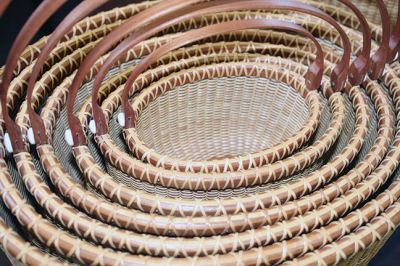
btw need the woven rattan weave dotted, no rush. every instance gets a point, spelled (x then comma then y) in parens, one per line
(231, 160)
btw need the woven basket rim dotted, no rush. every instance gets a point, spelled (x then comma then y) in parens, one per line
(231, 163)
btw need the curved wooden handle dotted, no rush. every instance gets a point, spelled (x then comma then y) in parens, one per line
(161, 9)
(79, 12)
(3, 6)
(31, 27)
(359, 67)
(394, 43)
(381, 56)
(168, 14)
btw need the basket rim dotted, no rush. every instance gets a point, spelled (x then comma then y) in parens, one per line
(234, 163)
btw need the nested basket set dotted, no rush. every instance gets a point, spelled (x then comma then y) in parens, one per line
(193, 132)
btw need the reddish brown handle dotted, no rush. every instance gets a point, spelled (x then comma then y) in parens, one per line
(314, 73)
(34, 23)
(3, 6)
(79, 12)
(379, 59)
(359, 67)
(394, 43)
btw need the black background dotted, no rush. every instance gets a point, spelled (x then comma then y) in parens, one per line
(11, 23)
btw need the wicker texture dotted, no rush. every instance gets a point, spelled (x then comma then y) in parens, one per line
(232, 160)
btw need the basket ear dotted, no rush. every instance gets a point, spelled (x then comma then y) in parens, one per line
(378, 62)
(37, 135)
(358, 70)
(339, 77)
(314, 76)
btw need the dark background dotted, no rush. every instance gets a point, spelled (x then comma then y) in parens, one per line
(13, 20)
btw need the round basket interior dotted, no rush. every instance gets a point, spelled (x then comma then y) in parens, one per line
(221, 118)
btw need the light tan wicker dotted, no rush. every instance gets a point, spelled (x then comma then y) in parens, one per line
(173, 112)
(334, 190)
(22, 251)
(184, 115)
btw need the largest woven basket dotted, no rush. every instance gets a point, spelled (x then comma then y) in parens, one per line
(231, 158)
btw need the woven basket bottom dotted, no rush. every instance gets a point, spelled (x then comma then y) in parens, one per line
(221, 117)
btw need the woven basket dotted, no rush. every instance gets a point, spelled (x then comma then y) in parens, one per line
(191, 124)
(335, 196)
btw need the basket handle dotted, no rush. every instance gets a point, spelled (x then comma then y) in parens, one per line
(359, 67)
(216, 6)
(36, 134)
(314, 73)
(13, 138)
(394, 43)
(381, 56)
(3, 6)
